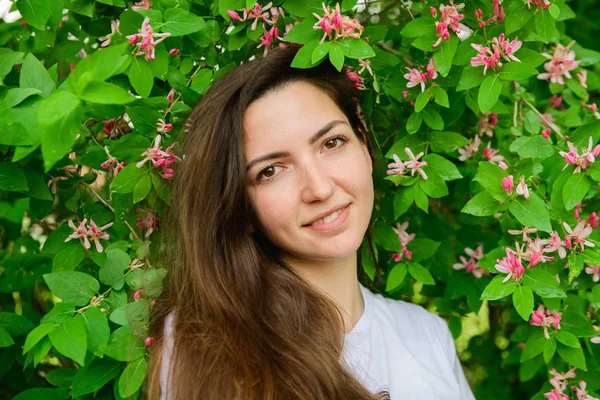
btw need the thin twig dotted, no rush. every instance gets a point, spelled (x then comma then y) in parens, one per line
(543, 118)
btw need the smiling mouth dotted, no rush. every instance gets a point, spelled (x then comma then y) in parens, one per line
(328, 218)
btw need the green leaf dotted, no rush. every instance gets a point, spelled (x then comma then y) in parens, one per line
(581, 136)
(516, 71)
(534, 346)
(14, 324)
(12, 177)
(567, 339)
(142, 188)
(422, 100)
(471, 77)
(126, 180)
(42, 393)
(94, 376)
(403, 198)
(575, 190)
(356, 48)
(481, 205)
(434, 186)
(536, 147)
(70, 339)
(304, 33)
(446, 142)
(15, 96)
(549, 349)
(523, 301)
(96, 327)
(5, 339)
(489, 92)
(99, 66)
(35, 12)
(58, 137)
(179, 22)
(302, 8)
(418, 27)
(113, 268)
(35, 75)
(8, 58)
(496, 290)
(576, 265)
(140, 76)
(420, 273)
(422, 248)
(303, 57)
(36, 335)
(124, 345)
(517, 15)
(69, 257)
(336, 56)
(71, 286)
(573, 356)
(442, 167)
(440, 96)
(129, 147)
(396, 277)
(490, 176)
(532, 213)
(432, 118)
(544, 25)
(105, 93)
(543, 283)
(414, 122)
(320, 52)
(445, 54)
(131, 379)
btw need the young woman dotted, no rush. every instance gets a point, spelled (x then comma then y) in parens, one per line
(270, 207)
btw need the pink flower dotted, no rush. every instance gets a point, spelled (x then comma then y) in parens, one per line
(80, 233)
(478, 14)
(95, 234)
(235, 16)
(441, 29)
(397, 257)
(365, 64)
(577, 210)
(397, 167)
(138, 294)
(555, 101)
(148, 44)
(582, 76)
(470, 149)
(160, 158)
(171, 96)
(335, 25)
(593, 270)
(174, 52)
(561, 62)
(502, 165)
(487, 122)
(546, 133)
(357, 79)
(545, 319)
(522, 188)
(581, 392)
(554, 395)
(112, 164)
(500, 49)
(471, 266)
(556, 244)
(147, 221)
(511, 266)
(142, 5)
(576, 237)
(148, 341)
(114, 27)
(162, 127)
(414, 164)
(491, 154)
(508, 184)
(525, 231)
(403, 236)
(415, 78)
(593, 220)
(432, 71)
(267, 38)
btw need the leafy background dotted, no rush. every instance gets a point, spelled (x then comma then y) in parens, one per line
(77, 120)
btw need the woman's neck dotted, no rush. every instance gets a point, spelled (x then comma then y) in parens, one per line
(338, 280)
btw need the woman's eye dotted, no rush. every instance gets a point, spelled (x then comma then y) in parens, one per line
(332, 143)
(267, 173)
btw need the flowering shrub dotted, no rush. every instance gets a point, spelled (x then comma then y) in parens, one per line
(485, 133)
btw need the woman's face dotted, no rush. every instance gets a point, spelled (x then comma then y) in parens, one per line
(305, 163)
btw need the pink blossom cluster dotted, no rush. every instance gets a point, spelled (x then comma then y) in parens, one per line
(531, 250)
(470, 149)
(335, 25)
(545, 318)
(162, 127)
(112, 164)
(416, 77)
(86, 233)
(559, 382)
(561, 62)
(577, 237)
(555, 101)
(403, 237)
(258, 13)
(491, 154)
(147, 221)
(359, 83)
(572, 157)
(592, 219)
(593, 270)
(148, 44)
(160, 158)
(497, 14)
(492, 57)
(114, 28)
(593, 108)
(522, 188)
(487, 123)
(398, 167)
(538, 4)
(142, 5)
(471, 266)
(450, 18)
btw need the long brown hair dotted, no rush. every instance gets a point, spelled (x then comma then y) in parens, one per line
(246, 325)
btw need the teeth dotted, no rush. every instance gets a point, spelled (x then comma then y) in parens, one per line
(328, 218)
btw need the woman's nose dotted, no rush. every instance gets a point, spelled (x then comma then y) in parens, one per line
(316, 184)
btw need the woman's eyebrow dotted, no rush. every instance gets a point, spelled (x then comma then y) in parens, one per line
(311, 141)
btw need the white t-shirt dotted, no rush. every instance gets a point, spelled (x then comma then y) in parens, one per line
(395, 346)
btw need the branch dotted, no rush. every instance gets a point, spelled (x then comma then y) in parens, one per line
(541, 116)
